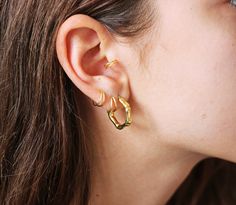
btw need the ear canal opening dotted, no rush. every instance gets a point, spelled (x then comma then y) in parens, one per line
(93, 62)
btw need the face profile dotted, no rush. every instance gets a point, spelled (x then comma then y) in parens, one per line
(117, 102)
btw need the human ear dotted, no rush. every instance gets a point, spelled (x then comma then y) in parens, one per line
(83, 47)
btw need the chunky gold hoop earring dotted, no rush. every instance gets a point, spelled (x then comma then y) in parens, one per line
(101, 100)
(110, 64)
(111, 113)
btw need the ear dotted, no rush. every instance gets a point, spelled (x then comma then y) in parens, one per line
(83, 47)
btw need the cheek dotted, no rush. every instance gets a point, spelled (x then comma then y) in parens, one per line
(195, 94)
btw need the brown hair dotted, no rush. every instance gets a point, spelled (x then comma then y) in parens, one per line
(43, 148)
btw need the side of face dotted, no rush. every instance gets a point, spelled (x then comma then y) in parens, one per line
(188, 89)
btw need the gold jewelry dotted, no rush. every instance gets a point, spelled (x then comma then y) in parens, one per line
(110, 64)
(111, 113)
(113, 103)
(101, 100)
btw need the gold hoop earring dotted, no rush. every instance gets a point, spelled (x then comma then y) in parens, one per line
(102, 99)
(110, 64)
(111, 113)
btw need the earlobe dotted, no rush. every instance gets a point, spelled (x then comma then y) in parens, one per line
(83, 47)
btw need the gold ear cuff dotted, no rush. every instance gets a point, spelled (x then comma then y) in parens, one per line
(110, 64)
(113, 104)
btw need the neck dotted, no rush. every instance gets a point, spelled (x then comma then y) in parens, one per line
(133, 167)
(135, 178)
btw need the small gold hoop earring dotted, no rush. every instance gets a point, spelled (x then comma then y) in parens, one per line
(110, 64)
(101, 100)
(111, 113)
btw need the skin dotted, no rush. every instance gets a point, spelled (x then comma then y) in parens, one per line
(182, 97)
